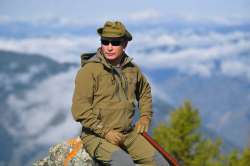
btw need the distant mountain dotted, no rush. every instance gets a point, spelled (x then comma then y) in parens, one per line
(223, 102)
(19, 73)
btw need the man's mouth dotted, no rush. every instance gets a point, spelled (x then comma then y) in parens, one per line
(110, 54)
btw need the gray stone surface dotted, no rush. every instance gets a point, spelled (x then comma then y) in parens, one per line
(71, 150)
(68, 153)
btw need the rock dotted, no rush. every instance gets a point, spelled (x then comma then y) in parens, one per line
(68, 153)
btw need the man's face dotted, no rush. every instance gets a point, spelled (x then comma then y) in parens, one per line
(112, 48)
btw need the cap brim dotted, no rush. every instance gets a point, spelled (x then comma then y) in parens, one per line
(99, 31)
(128, 36)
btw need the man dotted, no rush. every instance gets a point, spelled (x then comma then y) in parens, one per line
(106, 88)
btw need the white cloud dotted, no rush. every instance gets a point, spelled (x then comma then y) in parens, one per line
(236, 68)
(26, 77)
(186, 51)
(232, 20)
(144, 15)
(195, 55)
(61, 49)
(36, 112)
(39, 106)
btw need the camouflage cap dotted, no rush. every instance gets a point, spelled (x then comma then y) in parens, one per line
(114, 29)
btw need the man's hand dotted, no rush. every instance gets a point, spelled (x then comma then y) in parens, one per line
(142, 124)
(115, 137)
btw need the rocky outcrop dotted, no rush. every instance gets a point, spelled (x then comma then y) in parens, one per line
(68, 153)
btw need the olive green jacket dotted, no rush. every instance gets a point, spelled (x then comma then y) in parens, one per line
(105, 98)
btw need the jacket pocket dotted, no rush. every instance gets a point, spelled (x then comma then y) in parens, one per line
(117, 116)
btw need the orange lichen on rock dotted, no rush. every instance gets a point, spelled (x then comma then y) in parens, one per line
(76, 145)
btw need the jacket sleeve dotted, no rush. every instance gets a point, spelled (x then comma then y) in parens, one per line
(143, 96)
(82, 108)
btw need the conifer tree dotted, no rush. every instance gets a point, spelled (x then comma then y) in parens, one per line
(233, 158)
(181, 137)
(245, 157)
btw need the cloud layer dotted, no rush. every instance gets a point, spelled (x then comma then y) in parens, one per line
(196, 54)
(189, 52)
(61, 49)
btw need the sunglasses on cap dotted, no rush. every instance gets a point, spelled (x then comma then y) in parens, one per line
(113, 42)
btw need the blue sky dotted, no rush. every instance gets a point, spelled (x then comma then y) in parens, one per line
(89, 10)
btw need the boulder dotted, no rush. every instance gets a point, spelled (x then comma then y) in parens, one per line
(68, 153)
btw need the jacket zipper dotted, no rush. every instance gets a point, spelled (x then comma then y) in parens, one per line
(120, 77)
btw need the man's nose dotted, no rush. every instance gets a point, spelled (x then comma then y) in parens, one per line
(110, 47)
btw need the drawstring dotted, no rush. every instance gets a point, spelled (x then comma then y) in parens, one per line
(115, 82)
(113, 75)
(126, 85)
